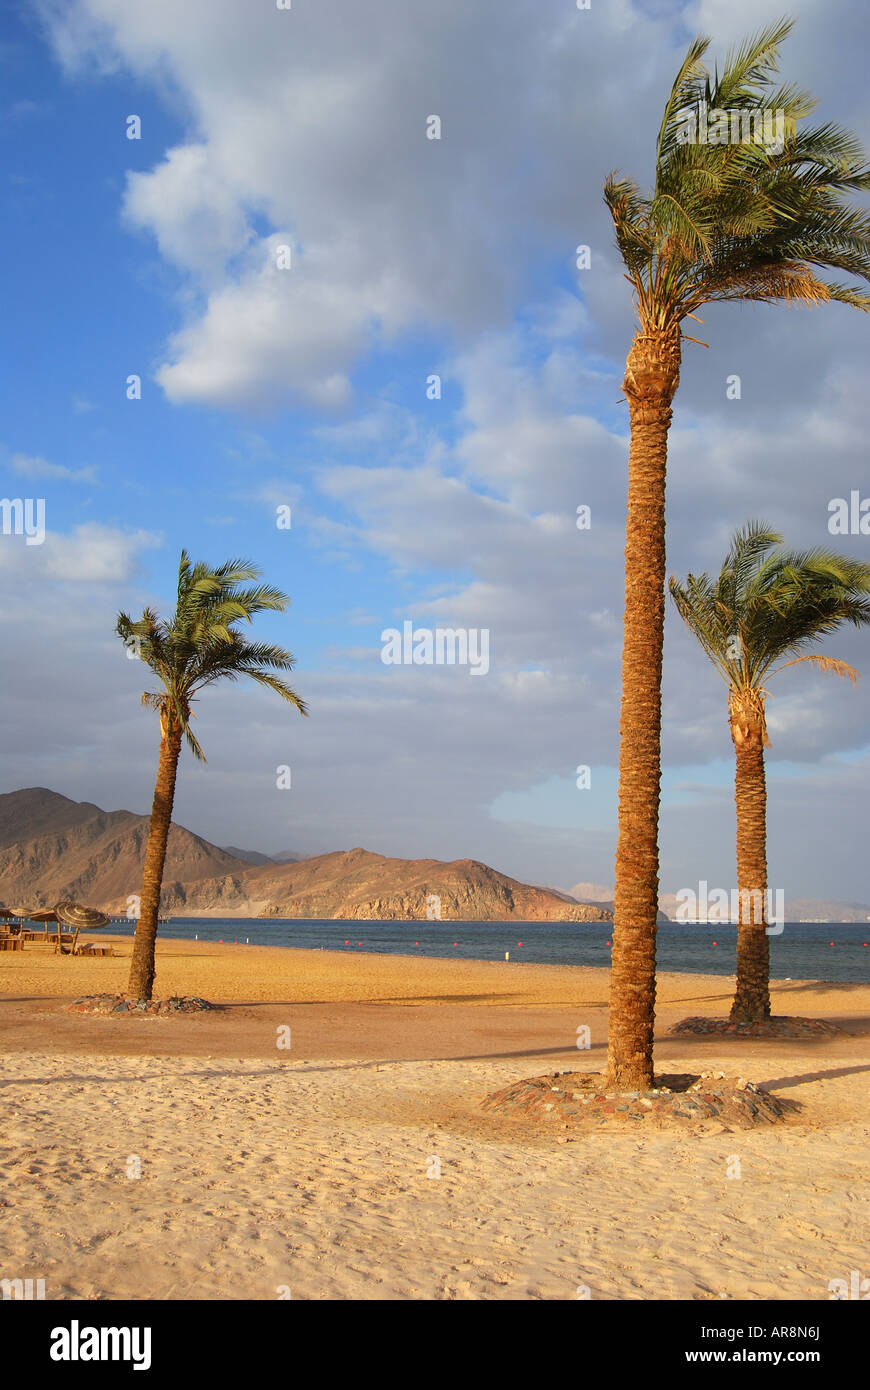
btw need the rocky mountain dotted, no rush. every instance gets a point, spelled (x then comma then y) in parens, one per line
(248, 856)
(52, 847)
(357, 885)
(253, 856)
(600, 896)
(825, 910)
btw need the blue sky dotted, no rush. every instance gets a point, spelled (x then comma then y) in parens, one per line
(307, 388)
(103, 308)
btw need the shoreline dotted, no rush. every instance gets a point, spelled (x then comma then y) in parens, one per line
(353, 952)
(235, 973)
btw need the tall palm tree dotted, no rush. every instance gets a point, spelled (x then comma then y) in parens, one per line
(194, 648)
(766, 604)
(723, 221)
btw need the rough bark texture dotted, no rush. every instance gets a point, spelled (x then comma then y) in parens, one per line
(141, 982)
(652, 376)
(752, 996)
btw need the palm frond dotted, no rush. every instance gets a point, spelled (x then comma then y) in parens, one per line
(684, 93)
(751, 66)
(201, 644)
(280, 687)
(829, 664)
(768, 603)
(759, 217)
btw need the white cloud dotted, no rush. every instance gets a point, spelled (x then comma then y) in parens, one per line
(270, 335)
(34, 466)
(90, 554)
(192, 211)
(313, 124)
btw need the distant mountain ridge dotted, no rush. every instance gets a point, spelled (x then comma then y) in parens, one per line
(254, 856)
(796, 909)
(52, 847)
(825, 910)
(358, 885)
(597, 894)
(248, 856)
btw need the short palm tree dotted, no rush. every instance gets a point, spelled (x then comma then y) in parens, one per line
(735, 221)
(194, 648)
(766, 604)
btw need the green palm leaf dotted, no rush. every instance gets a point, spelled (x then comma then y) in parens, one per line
(201, 644)
(738, 220)
(768, 602)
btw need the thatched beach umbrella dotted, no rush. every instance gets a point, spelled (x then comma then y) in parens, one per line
(44, 915)
(19, 913)
(72, 914)
(10, 932)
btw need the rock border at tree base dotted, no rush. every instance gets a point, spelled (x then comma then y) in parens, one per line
(578, 1101)
(119, 1005)
(786, 1026)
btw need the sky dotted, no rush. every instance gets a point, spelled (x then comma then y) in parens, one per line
(285, 260)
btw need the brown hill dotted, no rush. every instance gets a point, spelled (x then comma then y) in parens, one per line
(51, 847)
(359, 885)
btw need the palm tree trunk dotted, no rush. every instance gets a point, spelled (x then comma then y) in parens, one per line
(651, 378)
(141, 982)
(752, 997)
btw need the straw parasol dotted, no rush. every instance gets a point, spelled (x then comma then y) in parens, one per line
(16, 912)
(70, 914)
(44, 915)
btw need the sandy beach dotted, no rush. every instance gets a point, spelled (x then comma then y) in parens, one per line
(358, 1164)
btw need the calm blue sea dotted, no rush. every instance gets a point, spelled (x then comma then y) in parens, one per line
(805, 950)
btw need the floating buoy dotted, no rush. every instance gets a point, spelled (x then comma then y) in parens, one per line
(416, 943)
(519, 943)
(507, 955)
(715, 943)
(359, 943)
(607, 943)
(456, 943)
(347, 943)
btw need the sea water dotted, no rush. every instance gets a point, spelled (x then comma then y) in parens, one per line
(836, 951)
